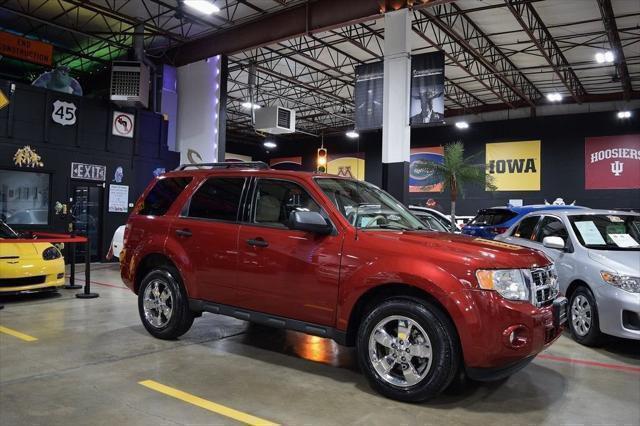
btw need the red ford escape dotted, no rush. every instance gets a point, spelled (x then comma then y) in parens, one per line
(342, 259)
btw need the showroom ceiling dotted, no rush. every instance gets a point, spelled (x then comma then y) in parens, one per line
(499, 54)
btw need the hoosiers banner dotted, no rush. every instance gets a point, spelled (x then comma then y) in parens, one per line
(427, 88)
(369, 90)
(515, 166)
(421, 176)
(347, 165)
(612, 162)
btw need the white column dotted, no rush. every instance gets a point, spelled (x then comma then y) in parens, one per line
(198, 111)
(396, 136)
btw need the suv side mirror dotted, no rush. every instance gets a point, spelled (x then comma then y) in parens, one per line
(309, 222)
(554, 243)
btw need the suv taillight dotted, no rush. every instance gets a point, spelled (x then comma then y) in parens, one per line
(125, 235)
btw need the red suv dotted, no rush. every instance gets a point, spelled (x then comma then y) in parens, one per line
(342, 259)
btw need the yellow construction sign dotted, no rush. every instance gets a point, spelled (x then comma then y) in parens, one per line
(4, 101)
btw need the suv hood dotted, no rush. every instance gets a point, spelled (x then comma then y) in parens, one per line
(618, 261)
(459, 249)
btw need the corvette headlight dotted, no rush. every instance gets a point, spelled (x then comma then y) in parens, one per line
(509, 283)
(51, 253)
(623, 282)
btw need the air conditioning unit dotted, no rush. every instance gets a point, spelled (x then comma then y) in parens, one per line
(275, 120)
(129, 83)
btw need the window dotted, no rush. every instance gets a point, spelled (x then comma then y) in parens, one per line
(526, 227)
(217, 198)
(162, 195)
(552, 227)
(24, 197)
(276, 200)
(490, 217)
(430, 221)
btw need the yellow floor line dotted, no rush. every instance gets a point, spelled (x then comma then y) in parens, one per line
(207, 405)
(17, 334)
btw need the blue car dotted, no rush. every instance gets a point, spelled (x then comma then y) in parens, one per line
(490, 222)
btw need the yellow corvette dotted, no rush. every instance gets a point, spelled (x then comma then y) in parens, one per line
(28, 266)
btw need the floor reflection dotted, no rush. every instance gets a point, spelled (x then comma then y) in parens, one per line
(312, 348)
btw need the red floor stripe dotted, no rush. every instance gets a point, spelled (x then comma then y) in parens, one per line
(590, 363)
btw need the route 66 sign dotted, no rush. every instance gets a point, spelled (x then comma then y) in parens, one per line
(64, 113)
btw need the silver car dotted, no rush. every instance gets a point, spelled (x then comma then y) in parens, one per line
(597, 257)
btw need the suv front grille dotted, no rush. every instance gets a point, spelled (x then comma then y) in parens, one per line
(543, 285)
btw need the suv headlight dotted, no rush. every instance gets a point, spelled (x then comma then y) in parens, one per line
(623, 282)
(509, 283)
(51, 253)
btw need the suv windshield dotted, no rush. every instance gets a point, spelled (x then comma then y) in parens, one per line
(6, 232)
(607, 231)
(490, 217)
(366, 206)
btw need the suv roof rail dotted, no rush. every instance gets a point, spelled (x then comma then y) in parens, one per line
(260, 165)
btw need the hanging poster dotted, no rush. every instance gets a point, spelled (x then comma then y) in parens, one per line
(427, 88)
(612, 162)
(118, 198)
(347, 165)
(421, 177)
(286, 163)
(369, 92)
(515, 166)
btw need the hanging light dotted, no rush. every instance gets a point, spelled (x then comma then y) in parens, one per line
(352, 134)
(554, 97)
(270, 144)
(202, 6)
(462, 125)
(606, 56)
(624, 114)
(249, 105)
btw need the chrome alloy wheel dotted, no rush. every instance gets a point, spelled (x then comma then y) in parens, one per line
(400, 351)
(157, 303)
(581, 315)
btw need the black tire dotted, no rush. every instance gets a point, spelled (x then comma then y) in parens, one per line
(181, 318)
(593, 337)
(445, 357)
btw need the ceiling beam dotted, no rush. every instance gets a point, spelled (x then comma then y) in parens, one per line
(539, 34)
(609, 22)
(310, 17)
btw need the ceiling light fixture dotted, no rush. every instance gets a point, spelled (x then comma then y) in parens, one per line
(270, 144)
(554, 97)
(462, 125)
(607, 56)
(352, 134)
(249, 105)
(624, 114)
(202, 6)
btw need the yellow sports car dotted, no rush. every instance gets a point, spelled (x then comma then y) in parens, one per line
(28, 266)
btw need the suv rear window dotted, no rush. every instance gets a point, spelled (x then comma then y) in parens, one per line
(490, 217)
(162, 195)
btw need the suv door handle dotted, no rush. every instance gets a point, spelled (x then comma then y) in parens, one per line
(183, 232)
(258, 242)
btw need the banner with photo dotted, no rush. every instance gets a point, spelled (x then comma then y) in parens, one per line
(612, 162)
(427, 88)
(286, 163)
(369, 91)
(421, 177)
(515, 166)
(348, 165)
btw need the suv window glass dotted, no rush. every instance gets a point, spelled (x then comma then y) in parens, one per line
(162, 195)
(217, 198)
(489, 217)
(526, 227)
(276, 199)
(552, 227)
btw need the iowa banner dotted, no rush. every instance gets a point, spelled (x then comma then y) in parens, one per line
(515, 166)
(348, 165)
(421, 177)
(612, 162)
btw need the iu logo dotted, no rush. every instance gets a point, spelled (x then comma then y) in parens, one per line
(617, 167)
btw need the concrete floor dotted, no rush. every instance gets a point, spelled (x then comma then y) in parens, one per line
(90, 355)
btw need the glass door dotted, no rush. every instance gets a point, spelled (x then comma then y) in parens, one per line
(87, 211)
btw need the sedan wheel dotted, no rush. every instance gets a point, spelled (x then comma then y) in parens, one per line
(581, 315)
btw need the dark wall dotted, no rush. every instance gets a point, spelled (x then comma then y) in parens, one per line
(562, 151)
(27, 121)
